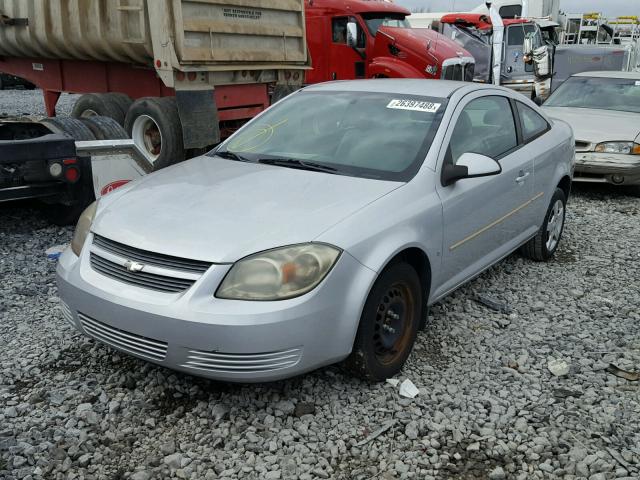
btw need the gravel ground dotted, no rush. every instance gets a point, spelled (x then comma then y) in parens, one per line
(30, 102)
(488, 405)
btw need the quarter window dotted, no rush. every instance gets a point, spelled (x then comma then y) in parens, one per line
(533, 125)
(485, 126)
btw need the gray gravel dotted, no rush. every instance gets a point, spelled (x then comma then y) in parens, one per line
(489, 407)
(30, 102)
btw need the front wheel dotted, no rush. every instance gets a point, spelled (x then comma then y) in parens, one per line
(389, 324)
(542, 247)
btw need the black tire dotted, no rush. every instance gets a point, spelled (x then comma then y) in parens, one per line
(98, 104)
(540, 248)
(1, 83)
(389, 324)
(69, 126)
(81, 194)
(105, 128)
(122, 101)
(154, 125)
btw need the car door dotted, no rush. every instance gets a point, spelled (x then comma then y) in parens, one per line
(534, 127)
(483, 217)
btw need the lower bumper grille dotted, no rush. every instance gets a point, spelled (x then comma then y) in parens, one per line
(66, 313)
(140, 279)
(129, 342)
(241, 362)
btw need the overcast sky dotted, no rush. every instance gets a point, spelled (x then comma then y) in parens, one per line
(610, 8)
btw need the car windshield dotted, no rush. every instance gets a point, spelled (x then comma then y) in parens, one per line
(619, 94)
(376, 20)
(372, 135)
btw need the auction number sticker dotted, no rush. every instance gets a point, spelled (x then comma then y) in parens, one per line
(416, 105)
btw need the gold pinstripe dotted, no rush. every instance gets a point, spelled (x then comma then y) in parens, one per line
(494, 223)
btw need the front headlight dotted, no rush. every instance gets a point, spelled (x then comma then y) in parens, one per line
(83, 227)
(280, 273)
(618, 147)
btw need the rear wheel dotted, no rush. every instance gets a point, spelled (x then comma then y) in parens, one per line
(98, 104)
(545, 243)
(389, 324)
(154, 125)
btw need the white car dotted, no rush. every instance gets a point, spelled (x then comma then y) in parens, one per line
(603, 108)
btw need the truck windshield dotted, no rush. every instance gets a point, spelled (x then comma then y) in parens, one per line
(372, 135)
(599, 93)
(376, 20)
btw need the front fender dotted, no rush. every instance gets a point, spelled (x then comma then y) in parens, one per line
(393, 68)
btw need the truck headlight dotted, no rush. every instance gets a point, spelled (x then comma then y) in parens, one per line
(82, 228)
(618, 147)
(280, 273)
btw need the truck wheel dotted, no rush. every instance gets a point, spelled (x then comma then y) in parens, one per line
(122, 101)
(92, 104)
(105, 128)
(80, 194)
(154, 125)
(69, 126)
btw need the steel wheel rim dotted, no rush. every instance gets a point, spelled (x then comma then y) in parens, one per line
(393, 324)
(555, 225)
(147, 137)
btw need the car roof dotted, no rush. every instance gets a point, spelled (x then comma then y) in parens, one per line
(609, 74)
(405, 86)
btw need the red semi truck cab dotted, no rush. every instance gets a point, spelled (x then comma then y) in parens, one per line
(383, 44)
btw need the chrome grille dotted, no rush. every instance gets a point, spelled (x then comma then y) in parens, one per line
(242, 362)
(150, 258)
(152, 281)
(129, 342)
(66, 313)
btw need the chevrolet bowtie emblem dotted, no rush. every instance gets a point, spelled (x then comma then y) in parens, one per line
(133, 266)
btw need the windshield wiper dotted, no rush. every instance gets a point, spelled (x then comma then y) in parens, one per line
(232, 156)
(296, 163)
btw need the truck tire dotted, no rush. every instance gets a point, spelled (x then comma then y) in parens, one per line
(154, 125)
(80, 195)
(102, 104)
(69, 126)
(123, 102)
(105, 128)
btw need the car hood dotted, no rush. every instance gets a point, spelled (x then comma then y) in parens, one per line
(595, 126)
(222, 210)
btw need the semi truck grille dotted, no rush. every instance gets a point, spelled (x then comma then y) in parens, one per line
(150, 258)
(129, 342)
(458, 71)
(140, 279)
(242, 362)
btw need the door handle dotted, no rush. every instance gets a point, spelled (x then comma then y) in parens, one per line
(521, 176)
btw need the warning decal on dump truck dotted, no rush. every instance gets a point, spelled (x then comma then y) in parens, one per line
(417, 105)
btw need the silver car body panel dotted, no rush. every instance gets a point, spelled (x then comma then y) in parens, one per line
(221, 210)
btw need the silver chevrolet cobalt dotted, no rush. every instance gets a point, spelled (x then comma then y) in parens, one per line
(321, 231)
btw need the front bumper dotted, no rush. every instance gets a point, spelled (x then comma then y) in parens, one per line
(618, 169)
(227, 340)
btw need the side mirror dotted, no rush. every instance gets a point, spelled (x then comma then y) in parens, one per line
(527, 46)
(538, 101)
(470, 165)
(352, 34)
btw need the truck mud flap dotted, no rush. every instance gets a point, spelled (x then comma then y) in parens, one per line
(199, 118)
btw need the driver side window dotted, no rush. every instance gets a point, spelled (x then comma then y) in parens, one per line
(485, 126)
